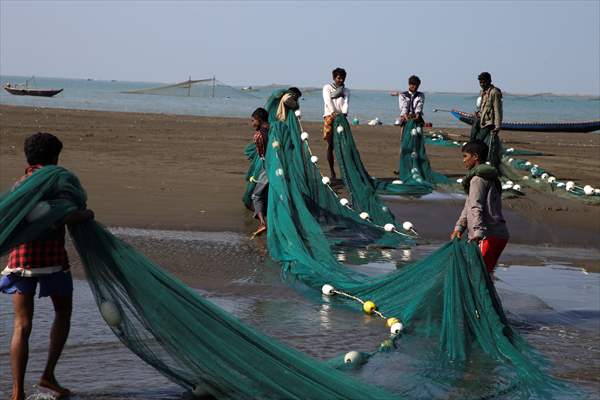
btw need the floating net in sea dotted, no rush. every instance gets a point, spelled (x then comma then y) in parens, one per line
(206, 88)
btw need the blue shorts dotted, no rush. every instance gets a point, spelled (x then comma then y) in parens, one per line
(55, 284)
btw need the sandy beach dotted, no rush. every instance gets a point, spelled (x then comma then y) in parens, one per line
(186, 172)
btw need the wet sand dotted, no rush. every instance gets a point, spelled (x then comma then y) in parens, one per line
(186, 173)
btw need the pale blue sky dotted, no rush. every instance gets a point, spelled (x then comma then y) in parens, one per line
(529, 47)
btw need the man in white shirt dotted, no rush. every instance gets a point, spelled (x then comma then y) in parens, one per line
(336, 98)
(411, 102)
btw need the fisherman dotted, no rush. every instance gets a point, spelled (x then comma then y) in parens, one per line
(44, 262)
(336, 99)
(488, 121)
(482, 216)
(260, 123)
(411, 102)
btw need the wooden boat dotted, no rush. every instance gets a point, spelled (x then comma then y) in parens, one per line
(24, 91)
(582, 126)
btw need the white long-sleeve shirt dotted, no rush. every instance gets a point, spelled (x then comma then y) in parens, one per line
(411, 102)
(339, 105)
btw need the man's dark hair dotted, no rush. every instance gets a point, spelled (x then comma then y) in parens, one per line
(477, 147)
(261, 114)
(295, 91)
(339, 71)
(42, 148)
(485, 76)
(414, 80)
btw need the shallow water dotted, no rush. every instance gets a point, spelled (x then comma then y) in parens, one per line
(555, 306)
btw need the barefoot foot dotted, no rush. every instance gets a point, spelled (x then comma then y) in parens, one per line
(53, 385)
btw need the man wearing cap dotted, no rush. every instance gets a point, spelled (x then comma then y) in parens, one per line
(489, 117)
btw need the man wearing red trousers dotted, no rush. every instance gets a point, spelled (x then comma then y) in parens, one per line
(482, 214)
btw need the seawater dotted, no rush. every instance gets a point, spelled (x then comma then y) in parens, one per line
(555, 306)
(233, 102)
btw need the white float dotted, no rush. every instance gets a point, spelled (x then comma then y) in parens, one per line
(328, 290)
(304, 136)
(110, 313)
(325, 180)
(314, 159)
(364, 215)
(389, 227)
(396, 328)
(344, 201)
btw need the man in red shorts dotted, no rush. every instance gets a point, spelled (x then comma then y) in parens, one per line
(482, 214)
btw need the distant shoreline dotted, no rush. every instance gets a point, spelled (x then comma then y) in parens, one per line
(592, 96)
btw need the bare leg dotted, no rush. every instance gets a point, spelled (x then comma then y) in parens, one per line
(19, 346)
(330, 157)
(58, 336)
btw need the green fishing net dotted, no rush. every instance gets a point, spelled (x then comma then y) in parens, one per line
(168, 325)
(447, 297)
(539, 178)
(446, 302)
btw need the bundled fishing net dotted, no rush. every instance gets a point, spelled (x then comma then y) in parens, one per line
(416, 176)
(361, 221)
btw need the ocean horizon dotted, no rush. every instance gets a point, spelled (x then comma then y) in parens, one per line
(233, 101)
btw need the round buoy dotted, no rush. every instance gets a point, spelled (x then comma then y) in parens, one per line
(304, 136)
(298, 113)
(413, 132)
(389, 227)
(364, 215)
(275, 144)
(344, 201)
(328, 290)
(517, 187)
(314, 159)
(110, 313)
(396, 328)
(353, 358)
(369, 307)
(340, 129)
(588, 190)
(279, 172)
(325, 180)
(570, 185)
(407, 225)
